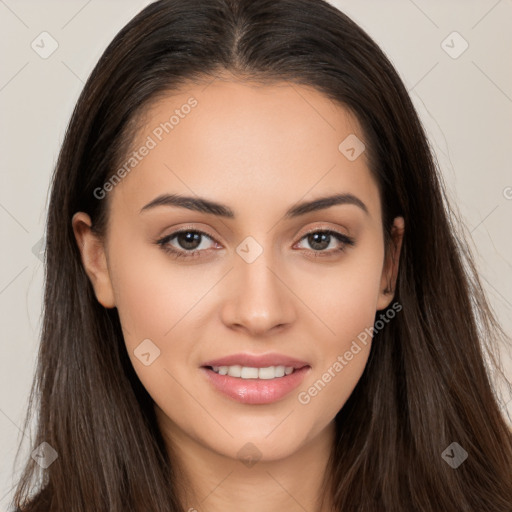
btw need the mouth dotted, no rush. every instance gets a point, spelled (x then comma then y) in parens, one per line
(255, 379)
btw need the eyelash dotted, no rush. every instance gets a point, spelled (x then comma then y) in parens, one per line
(164, 243)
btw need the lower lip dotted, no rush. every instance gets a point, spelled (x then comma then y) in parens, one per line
(256, 391)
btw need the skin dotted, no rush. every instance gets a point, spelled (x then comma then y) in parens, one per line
(259, 150)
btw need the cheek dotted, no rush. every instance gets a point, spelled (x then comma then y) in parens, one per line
(346, 304)
(344, 297)
(155, 301)
(152, 295)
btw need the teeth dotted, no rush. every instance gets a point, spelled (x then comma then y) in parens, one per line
(247, 372)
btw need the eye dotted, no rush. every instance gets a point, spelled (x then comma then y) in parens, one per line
(322, 239)
(188, 243)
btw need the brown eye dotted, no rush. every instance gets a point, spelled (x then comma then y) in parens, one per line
(185, 243)
(188, 240)
(320, 240)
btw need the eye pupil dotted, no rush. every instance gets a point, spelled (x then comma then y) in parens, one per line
(314, 242)
(189, 239)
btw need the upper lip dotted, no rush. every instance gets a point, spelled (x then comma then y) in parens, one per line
(257, 361)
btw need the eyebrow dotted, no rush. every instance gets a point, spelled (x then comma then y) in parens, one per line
(204, 205)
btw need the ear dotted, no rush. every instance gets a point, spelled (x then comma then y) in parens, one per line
(94, 259)
(390, 269)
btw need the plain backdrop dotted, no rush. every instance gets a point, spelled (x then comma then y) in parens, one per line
(460, 83)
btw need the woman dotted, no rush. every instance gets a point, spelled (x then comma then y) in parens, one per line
(255, 296)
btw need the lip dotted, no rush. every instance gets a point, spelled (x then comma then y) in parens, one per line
(256, 391)
(257, 361)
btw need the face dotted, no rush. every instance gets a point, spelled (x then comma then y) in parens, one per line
(263, 280)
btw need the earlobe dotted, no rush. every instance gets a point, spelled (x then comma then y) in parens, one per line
(390, 270)
(94, 259)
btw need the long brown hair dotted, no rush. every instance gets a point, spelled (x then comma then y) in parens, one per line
(426, 384)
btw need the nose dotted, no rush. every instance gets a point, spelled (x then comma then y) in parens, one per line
(257, 297)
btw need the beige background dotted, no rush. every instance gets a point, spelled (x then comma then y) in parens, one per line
(464, 102)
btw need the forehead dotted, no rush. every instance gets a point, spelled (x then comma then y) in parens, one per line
(247, 145)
